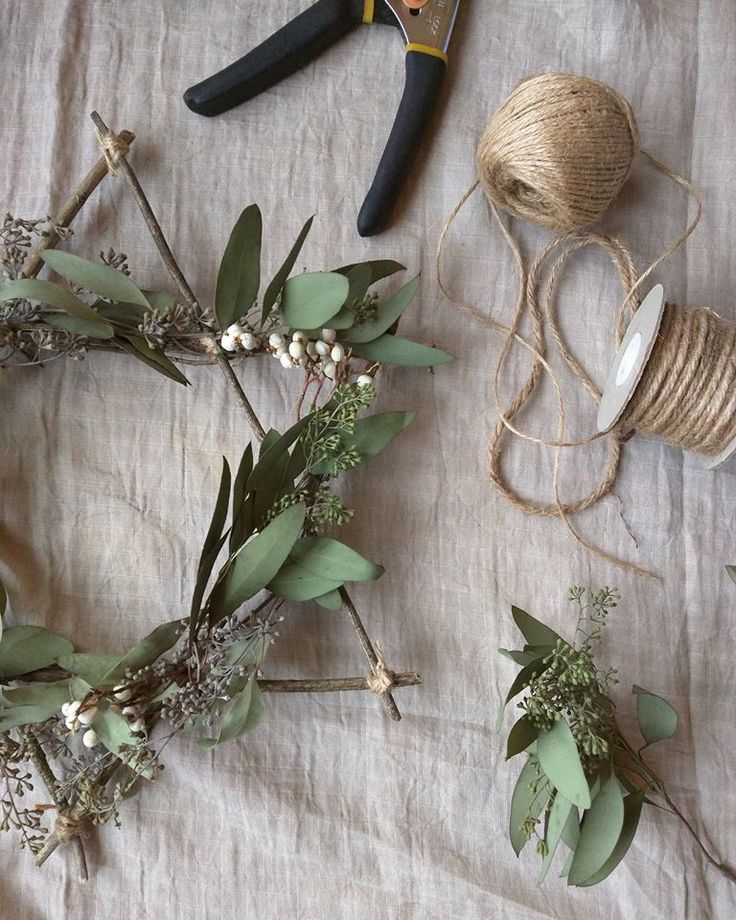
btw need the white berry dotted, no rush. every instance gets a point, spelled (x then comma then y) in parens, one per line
(248, 341)
(300, 336)
(286, 360)
(276, 340)
(122, 693)
(296, 350)
(338, 353)
(235, 330)
(329, 369)
(365, 380)
(73, 709)
(322, 348)
(282, 350)
(329, 335)
(65, 708)
(312, 349)
(87, 716)
(71, 722)
(138, 726)
(229, 343)
(131, 711)
(90, 739)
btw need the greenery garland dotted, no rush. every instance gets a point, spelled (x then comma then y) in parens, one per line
(94, 724)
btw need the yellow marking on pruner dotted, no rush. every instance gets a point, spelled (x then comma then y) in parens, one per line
(428, 49)
(369, 11)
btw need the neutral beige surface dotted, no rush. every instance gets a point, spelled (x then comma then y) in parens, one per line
(108, 473)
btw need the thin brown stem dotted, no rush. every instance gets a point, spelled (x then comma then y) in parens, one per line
(333, 685)
(253, 420)
(71, 207)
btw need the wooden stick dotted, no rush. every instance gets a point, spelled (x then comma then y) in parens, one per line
(334, 684)
(71, 207)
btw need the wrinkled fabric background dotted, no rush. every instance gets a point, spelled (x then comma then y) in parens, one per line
(109, 472)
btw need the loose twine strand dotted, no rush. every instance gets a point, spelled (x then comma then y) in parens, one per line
(381, 678)
(528, 203)
(114, 148)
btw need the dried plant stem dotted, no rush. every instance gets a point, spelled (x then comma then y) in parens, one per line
(69, 210)
(40, 762)
(187, 294)
(333, 685)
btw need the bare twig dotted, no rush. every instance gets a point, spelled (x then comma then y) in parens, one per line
(333, 685)
(71, 207)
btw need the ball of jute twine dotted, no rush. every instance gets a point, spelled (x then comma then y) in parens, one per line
(557, 153)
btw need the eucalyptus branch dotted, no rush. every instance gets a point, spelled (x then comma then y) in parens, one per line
(186, 292)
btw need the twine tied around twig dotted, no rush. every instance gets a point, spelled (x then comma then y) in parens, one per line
(114, 148)
(68, 825)
(381, 678)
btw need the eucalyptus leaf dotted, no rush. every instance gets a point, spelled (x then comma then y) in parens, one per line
(525, 676)
(160, 300)
(241, 527)
(520, 658)
(256, 563)
(379, 268)
(49, 293)
(558, 818)
(114, 732)
(599, 832)
(276, 286)
(392, 349)
(312, 299)
(522, 734)
(124, 314)
(92, 668)
(657, 718)
(92, 328)
(731, 569)
(370, 436)
(387, 313)
(243, 713)
(330, 601)
(51, 695)
(275, 449)
(559, 758)
(3, 607)
(632, 812)
(534, 632)
(239, 276)
(16, 716)
(524, 801)
(333, 560)
(295, 583)
(137, 346)
(101, 279)
(211, 547)
(27, 648)
(146, 651)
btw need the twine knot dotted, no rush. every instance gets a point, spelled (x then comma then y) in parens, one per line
(381, 678)
(67, 826)
(114, 148)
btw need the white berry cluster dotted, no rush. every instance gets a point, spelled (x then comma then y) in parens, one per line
(324, 353)
(79, 715)
(237, 338)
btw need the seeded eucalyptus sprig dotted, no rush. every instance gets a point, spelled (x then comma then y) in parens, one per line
(583, 784)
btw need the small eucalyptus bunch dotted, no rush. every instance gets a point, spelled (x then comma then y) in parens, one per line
(583, 784)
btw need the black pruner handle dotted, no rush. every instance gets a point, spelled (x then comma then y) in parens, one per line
(424, 75)
(281, 55)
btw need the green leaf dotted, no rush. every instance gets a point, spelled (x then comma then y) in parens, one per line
(359, 279)
(370, 436)
(333, 560)
(146, 651)
(211, 547)
(276, 286)
(160, 300)
(243, 713)
(239, 276)
(257, 563)
(524, 801)
(54, 295)
(599, 832)
(27, 648)
(137, 346)
(522, 734)
(312, 299)
(379, 268)
(386, 315)
(3, 606)
(296, 583)
(520, 658)
(101, 279)
(559, 815)
(571, 830)
(50, 695)
(731, 569)
(632, 812)
(124, 314)
(525, 676)
(392, 349)
(534, 632)
(559, 758)
(241, 527)
(113, 731)
(275, 449)
(657, 718)
(93, 329)
(92, 668)
(330, 601)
